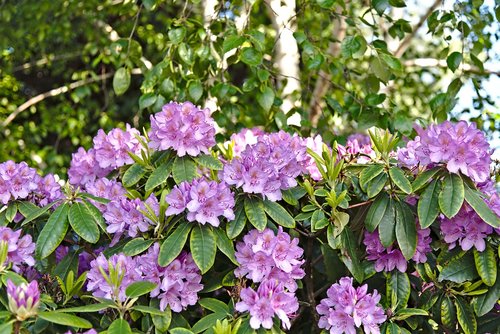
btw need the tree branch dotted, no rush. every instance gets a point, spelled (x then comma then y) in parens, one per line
(58, 91)
(431, 62)
(407, 40)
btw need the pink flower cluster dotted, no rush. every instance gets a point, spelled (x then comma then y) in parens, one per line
(461, 147)
(386, 259)
(104, 188)
(178, 283)
(267, 167)
(19, 250)
(110, 151)
(265, 256)
(358, 147)
(270, 299)
(19, 181)
(243, 138)
(126, 215)
(182, 127)
(466, 228)
(205, 201)
(347, 308)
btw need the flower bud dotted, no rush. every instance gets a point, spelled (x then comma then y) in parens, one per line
(24, 299)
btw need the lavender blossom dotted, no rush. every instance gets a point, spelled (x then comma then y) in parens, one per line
(182, 127)
(104, 188)
(111, 150)
(19, 250)
(17, 181)
(84, 168)
(269, 300)
(347, 308)
(266, 256)
(243, 138)
(205, 201)
(24, 299)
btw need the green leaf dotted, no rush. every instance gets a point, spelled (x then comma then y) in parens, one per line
(203, 247)
(380, 69)
(159, 175)
(369, 174)
(406, 230)
(149, 310)
(214, 305)
(424, 178)
(254, 210)
(448, 313)
(133, 175)
(83, 223)
(486, 265)
(428, 207)
(452, 195)
(12, 276)
(6, 328)
(399, 178)
(391, 61)
(38, 212)
(380, 6)
(459, 270)
(377, 212)
(209, 162)
(139, 288)
(87, 308)
(325, 3)
(121, 80)
(147, 100)
(477, 203)
(353, 46)
(352, 260)
(236, 226)
(161, 322)
(454, 60)
(207, 322)
(53, 232)
(225, 245)
(375, 186)
(465, 316)
(266, 98)
(184, 169)
(484, 303)
(137, 246)
(173, 245)
(195, 90)
(405, 313)
(251, 56)
(64, 319)
(119, 326)
(398, 284)
(397, 3)
(232, 42)
(279, 214)
(180, 330)
(387, 225)
(177, 35)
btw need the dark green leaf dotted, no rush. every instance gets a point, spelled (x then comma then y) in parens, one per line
(448, 313)
(352, 260)
(83, 223)
(65, 319)
(398, 288)
(406, 230)
(53, 232)
(405, 313)
(147, 100)
(203, 247)
(159, 175)
(231, 42)
(266, 98)
(195, 90)
(375, 186)
(380, 5)
(184, 169)
(428, 207)
(177, 35)
(234, 227)
(38, 212)
(173, 245)
(377, 212)
(209, 162)
(207, 322)
(133, 175)
(87, 308)
(214, 305)
(149, 310)
(486, 265)
(397, 3)
(387, 225)
(465, 316)
(119, 326)
(279, 214)
(380, 69)
(459, 270)
(423, 179)
(452, 195)
(484, 303)
(121, 80)
(399, 178)
(325, 3)
(393, 63)
(254, 209)
(225, 245)
(476, 202)
(251, 56)
(137, 246)
(454, 60)
(139, 288)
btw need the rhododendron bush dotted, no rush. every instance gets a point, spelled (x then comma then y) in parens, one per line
(167, 230)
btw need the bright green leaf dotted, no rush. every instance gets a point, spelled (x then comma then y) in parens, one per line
(428, 204)
(53, 232)
(65, 319)
(254, 209)
(121, 80)
(173, 245)
(486, 265)
(203, 247)
(83, 223)
(139, 288)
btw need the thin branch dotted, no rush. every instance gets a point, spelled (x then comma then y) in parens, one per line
(45, 60)
(407, 40)
(58, 91)
(432, 62)
(133, 29)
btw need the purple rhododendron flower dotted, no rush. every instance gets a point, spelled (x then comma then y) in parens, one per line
(104, 188)
(266, 256)
(347, 308)
(386, 259)
(357, 147)
(97, 284)
(466, 228)
(84, 167)
(19, 250)
(184, 128)
(24, 299)
(178, 283)
(269, 166)
(17, 181)
(205, 201)
(111, 150)
(269, 300)
(243, 138)
(461, 147)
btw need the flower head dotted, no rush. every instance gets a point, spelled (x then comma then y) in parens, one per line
(111, 150)
(19, 249)
(182, 127)
(24, 299)
(17, 181)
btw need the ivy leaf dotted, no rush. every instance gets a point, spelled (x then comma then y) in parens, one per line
(266, 98)
(454, 60)
(121, 80)
(254, 210)
(203, 247)
(53, 232)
